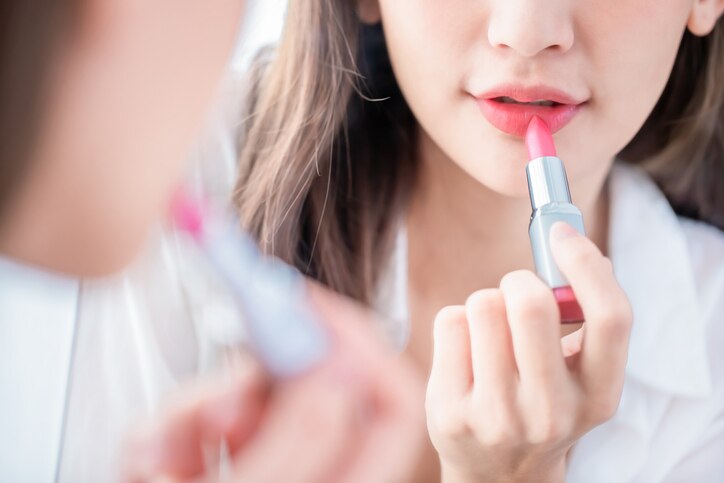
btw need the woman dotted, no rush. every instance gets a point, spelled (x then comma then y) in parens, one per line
(99, 102)
(381, 157)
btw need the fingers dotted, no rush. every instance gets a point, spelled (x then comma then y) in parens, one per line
(235, 415)
(395, 419)
(571, 343)
(605, 306)
(311, 427)
(494, 367)
(390, 393)
(173, 446)
(534, 323)
(451, 375)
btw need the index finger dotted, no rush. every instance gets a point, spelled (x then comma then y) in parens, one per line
(605, 307)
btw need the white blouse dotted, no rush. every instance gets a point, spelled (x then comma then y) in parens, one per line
(82, 362)
(669, 426)
(135, 337)
(37, 327)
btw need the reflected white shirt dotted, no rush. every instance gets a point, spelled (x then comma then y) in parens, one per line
(134, 338)
(669, 426)
(139, 334)
(38, 313)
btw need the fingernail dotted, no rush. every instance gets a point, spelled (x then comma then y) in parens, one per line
(561, 230)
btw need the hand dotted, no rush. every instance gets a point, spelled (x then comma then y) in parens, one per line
(507, 398)
(179, 442)
(357, 418)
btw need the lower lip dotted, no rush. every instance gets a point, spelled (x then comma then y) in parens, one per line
(514, 118)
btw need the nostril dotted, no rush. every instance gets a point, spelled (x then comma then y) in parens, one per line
(530, 33)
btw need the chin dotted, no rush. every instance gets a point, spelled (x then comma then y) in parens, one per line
(106, 256)
(506, 178)
(510, 188)
(95, 265)
(498, 162)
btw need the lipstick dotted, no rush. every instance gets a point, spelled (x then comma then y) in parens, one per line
(550, 199)
(281, 328)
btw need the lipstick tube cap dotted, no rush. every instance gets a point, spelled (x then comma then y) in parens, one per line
(547, 182)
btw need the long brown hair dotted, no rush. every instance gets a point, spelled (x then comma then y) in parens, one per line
(30, 31)
(327, 147)
(681, 144)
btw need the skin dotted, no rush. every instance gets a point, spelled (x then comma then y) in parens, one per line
(358, 404)
(124, 100)
(130, 88)
(471, 206)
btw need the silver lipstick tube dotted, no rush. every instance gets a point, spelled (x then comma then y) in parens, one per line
(550, 198)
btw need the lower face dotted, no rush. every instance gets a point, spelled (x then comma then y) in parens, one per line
(128, 96)
(472, 72)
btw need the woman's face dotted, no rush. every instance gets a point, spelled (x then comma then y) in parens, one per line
(604, 64)
(128, 93)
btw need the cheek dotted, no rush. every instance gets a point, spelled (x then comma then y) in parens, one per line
(623, 54)
(428, 41)
(432, 46)
(436, 49)
(126, 113)
(630, 47)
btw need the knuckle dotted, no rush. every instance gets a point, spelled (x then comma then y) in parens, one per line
(450, 318)
(527, 296)
(485, 303)
(603, 409)
(617, 317)
(494, 433)
(447, 423)
(550, 431)
(550, 419)
(494, 423)
(515, 278)
(540, 435)
(549, 428)
(536, 305)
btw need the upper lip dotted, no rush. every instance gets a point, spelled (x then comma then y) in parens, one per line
(530, 94)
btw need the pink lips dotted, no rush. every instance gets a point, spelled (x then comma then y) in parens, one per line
(514, 118)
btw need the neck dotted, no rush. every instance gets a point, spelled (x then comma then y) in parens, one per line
(469, 236)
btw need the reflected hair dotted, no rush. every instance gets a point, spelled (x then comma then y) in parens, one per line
(30, 34)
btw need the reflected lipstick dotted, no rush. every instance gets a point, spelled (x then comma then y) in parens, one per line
(550, 199)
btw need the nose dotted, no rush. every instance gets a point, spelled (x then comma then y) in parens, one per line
(530, 27)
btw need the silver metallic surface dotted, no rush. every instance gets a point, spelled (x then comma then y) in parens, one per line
(547, 182)
(551, 202)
